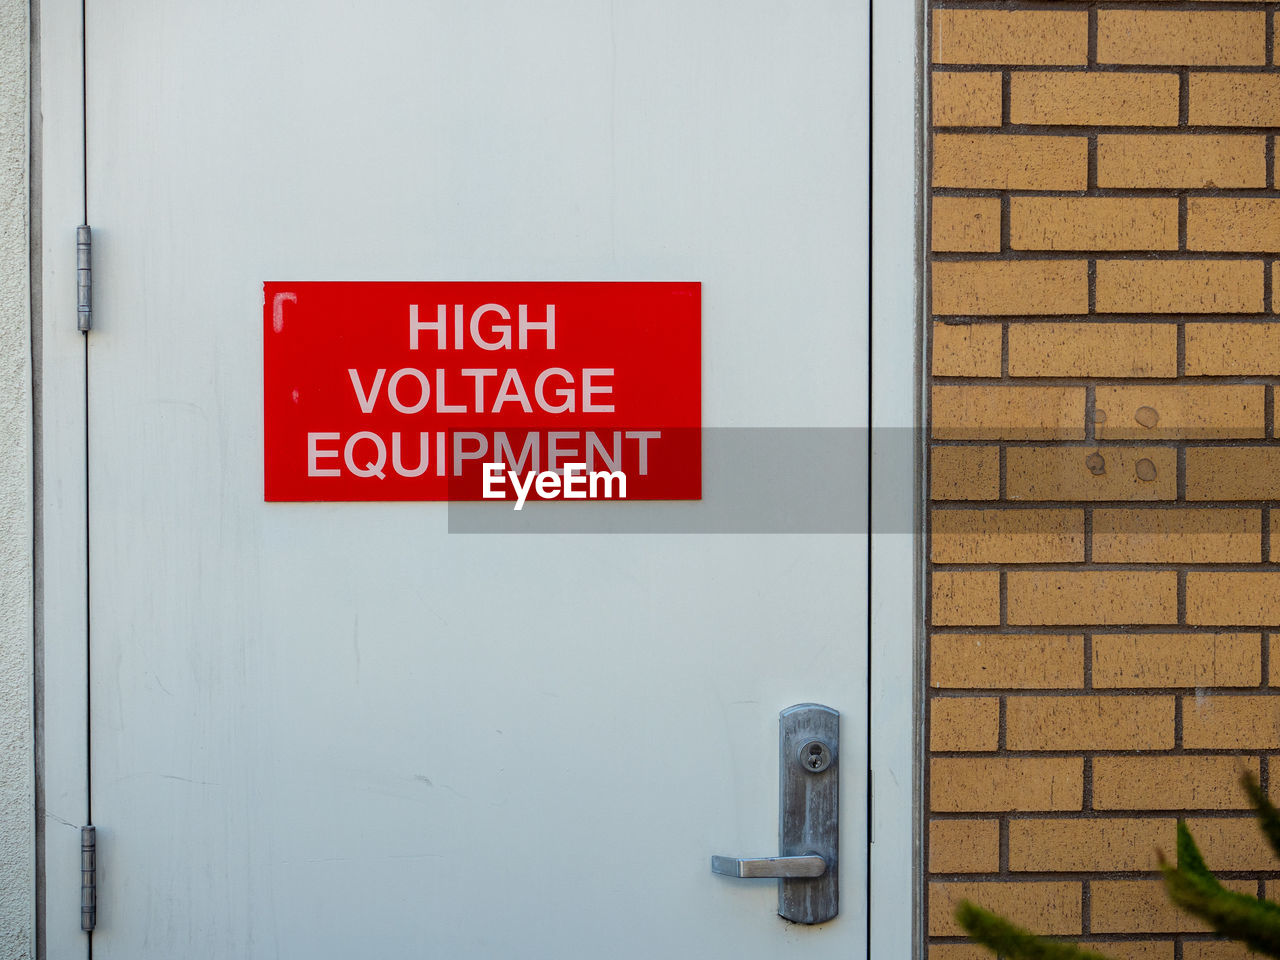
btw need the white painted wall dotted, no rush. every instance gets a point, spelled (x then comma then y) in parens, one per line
(17, 783)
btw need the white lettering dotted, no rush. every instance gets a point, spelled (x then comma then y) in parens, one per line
(503, 330)
(502, 450)
(594, 446)
(554, 451)
(512, 389)
(589, 390)
(644, 436)
(548, 484)
(479, 376)
(522, 492)
(564, 394)
(459, 454)
(393, 389)
(372, 468)
(492, 475)
(397, 461)
(314, 453)
(549, 325)
(575, 481)
(576, 484)
(366, 399)
(442, 405)
(416, 326)
(608, 479)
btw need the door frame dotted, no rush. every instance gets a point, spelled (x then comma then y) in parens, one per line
(895, 608)
(896, 630)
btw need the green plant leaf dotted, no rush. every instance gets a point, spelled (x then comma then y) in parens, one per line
(1191, 886)
(1268, 815)
(1011, 942)
(1190, 860)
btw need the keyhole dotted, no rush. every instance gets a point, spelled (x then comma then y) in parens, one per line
(815, 756)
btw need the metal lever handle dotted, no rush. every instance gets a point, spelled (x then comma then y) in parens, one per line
(778, 868)
(808, 866)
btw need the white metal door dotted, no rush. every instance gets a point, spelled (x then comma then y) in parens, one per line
(334, 730)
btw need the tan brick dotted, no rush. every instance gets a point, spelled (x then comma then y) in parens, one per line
(1177, 536)
(1039, 906)
(964, 473)
(966, 99)
(1217, 949)
(1047, 846)
(976, 412)
(1092, 349)
(1002, 161)
(1233, 224)
(1064, 473)
(1231, 722)
(1002, 287)
(1177, 660)
(1232, 598)
(957, 951)
(1170, 783)
(1007, 536)
(1228, 349)
(1129, 950)
(1093, 223)
(1006, 661)
(964, 846)
(1141, 906)
(1179, 286)
(963, 224)
(1234, 99)
(1233, 473)
(1174, 160)
(1060, 597)
(1089, 723)
(1010, 37)
(966, 349)
(1230, 843)
(964, 723)
(1098, 99)
(1181, 411)
(989, 784)
(966, 597)
(1182, 38)
(1273, 658)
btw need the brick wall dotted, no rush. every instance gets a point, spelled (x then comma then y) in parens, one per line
(1103, 354)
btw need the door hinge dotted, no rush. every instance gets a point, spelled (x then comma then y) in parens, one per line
(84, 278)
(88, 878)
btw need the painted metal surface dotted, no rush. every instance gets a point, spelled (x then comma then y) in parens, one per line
(390, 734)
(898, 38)
(62, 570)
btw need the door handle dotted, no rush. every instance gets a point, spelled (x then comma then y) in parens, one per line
(781, 868)
(808, 818)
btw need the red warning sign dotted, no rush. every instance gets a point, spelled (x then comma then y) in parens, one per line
(405, 391)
